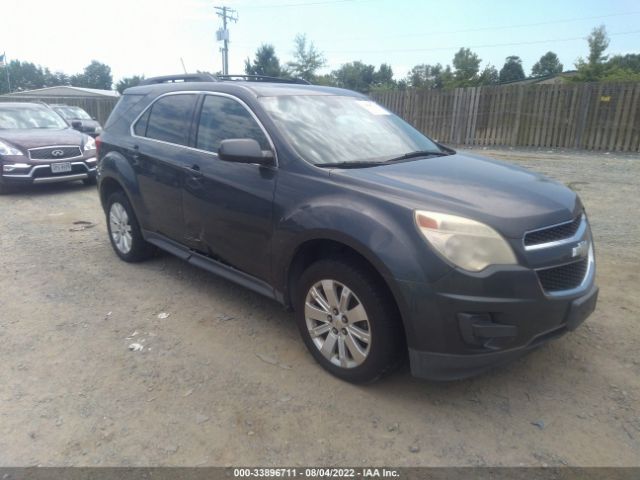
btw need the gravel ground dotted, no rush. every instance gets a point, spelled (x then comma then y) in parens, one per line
(224, 379)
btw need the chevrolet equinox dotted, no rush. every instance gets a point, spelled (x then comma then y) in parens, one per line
(381, 240)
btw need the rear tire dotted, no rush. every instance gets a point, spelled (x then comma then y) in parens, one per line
(349, 321)
(124, 231)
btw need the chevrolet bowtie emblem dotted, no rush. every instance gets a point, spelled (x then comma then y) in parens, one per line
(580, 250)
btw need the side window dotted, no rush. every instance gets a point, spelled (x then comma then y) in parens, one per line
(140, 128)
(170, 118)
(223, 118)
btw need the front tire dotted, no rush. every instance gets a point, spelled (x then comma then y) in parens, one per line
(124, 230)
(349, 321)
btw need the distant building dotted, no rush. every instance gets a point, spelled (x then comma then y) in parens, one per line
(97, 103)
(555, 79)
(65, 91)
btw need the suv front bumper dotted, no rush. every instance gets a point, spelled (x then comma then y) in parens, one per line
(41, 173)
(553, 320)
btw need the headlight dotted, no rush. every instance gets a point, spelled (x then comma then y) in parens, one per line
(464, 242)
(90, 144)
(6, 149)
(98, 129)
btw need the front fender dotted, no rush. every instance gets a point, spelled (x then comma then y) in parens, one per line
(384, 234)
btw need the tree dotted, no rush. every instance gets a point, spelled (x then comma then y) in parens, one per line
(598, 42)
(265, 63)
(22, 76)
(594, 68)
(630, 61)
(429, 76)
(128, 82)
(383, 77)
(95, 75)
(354, 76)
(549, 64)
(466, 66)
(488, 76)
(307, 60)
(512, 69)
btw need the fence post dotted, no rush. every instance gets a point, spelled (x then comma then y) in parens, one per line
(585, 92)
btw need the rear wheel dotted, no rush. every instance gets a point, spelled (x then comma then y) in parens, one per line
(349, 321)
(124, 230)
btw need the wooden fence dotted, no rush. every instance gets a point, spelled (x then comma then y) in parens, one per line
(98, 108)
(594, 116)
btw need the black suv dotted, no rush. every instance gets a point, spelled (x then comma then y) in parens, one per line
(78, 118)
(380, 239)
(37, 146)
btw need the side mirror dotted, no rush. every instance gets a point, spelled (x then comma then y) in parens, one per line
(244, 150)
(76, 124)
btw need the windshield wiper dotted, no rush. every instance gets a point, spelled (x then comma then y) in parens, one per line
(349, 164)
(365, 164)
(416, 154)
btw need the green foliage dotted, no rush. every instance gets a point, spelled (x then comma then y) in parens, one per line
(354, 76)
(429, 76)
(307, 60)
(29, 76)
(95, 75)
(362, 77)
(512, 69)
(621, 75)
(128, 82)
(488, 76)
(466, 66)
(630, 62)
(598, 42)
(265, 63)
(594, 68)
(549, 64)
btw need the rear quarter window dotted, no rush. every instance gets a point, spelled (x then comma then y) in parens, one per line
(123, 107)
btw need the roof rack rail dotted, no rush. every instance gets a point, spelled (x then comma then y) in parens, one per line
(186, 77)
(263, 78)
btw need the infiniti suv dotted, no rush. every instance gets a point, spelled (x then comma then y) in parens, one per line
(37, 146)
(381, 240)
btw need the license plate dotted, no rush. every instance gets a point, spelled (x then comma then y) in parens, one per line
(60, 167)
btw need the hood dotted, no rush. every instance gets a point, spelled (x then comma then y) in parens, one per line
(31, 138)
(509, 198)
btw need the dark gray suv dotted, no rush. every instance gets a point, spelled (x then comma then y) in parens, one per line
(381, 240)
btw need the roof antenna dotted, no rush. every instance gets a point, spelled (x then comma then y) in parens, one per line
(183, 67)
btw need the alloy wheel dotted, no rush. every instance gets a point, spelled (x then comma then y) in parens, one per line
(338, 323)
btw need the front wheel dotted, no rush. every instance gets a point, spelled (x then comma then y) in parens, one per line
(349, 321)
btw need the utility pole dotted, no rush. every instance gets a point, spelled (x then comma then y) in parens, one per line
(227, 14)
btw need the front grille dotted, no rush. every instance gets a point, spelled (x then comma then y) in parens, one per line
(564, 277)
(47, 153)
(553, 234)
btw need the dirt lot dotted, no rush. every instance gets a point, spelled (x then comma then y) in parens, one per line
(225, 379)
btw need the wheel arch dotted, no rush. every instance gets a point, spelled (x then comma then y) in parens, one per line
(314, 249)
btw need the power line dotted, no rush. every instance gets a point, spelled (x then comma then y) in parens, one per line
(305, 4)
(513, 44)
(497, 27)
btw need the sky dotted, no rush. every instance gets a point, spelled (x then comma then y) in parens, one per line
(150, 37)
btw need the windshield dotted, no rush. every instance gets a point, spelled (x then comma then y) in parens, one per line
(72, 113)
(16, 118)
(343, 129)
